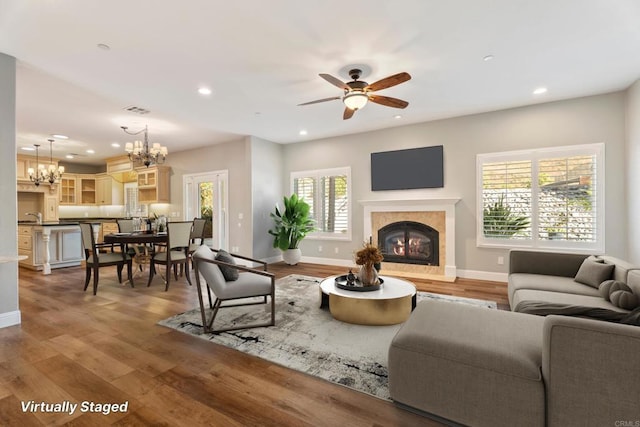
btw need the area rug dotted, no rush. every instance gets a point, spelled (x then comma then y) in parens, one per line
(306, 338)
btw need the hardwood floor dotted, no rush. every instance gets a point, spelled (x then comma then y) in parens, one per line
(73, 346)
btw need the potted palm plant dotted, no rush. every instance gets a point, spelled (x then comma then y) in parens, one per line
(291, 226)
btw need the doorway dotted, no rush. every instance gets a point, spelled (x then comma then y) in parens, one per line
(206, 196)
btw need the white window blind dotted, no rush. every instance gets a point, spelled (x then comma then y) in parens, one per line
(327, 193)
(546, 198)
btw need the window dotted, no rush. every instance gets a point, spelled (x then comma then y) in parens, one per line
(549, 198)
(327, 192)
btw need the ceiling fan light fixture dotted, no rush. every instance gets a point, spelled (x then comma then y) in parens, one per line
(355, 100)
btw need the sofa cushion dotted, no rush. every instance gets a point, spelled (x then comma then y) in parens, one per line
(524, 295)
(624, 299)
(633, 281)
(593, 273)
(622, 267)
(605, 288)
(548, 283)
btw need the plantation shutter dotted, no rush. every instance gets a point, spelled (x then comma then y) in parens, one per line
(567, 194)
(327, 193)
(334, 215)
(305, 188)
(506, 199)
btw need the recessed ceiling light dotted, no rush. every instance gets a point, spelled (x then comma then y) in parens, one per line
(487, 58)
(540, 91)
(28, 149)
(115, 145)
(303, 132)
(397, 116)
(91, 151)
(103, 46)
(69, 156)
(204, 91)
(58, 136)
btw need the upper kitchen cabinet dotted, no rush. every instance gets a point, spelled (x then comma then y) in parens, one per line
(68, 190)
(86, 189)
(153, 184)
(108, 190)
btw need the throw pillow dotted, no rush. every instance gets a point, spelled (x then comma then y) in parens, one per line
(230, 274)
(593, 273)
(605, 288)
(624, 299)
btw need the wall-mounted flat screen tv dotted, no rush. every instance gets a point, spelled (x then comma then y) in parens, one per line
(408, 169)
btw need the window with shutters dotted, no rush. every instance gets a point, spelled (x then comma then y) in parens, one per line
(548, 198)
(327, 192)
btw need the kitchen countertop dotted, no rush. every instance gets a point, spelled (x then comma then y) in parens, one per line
(48, 223)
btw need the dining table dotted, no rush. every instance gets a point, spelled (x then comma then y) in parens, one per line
(142, 242)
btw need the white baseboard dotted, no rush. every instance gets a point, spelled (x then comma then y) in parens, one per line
(483, 275)
(10, 319)
(272, 259)
(328, 261)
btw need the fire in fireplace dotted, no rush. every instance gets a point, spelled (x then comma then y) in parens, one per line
(409, 242)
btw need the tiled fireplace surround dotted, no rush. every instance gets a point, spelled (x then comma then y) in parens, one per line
(436, 213)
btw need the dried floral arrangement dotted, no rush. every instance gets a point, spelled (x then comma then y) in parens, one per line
(369, 254)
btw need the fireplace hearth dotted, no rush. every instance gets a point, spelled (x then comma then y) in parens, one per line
(409, 242)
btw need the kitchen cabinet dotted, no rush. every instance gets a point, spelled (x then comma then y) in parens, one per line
(65, 246)
(86, 189)
(108, 190)
(50, 208)
(153, 184)
(107, 228)
(68, 190)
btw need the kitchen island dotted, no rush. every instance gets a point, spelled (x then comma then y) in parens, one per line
(49, 245)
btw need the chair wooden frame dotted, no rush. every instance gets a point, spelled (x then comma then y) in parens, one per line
(88, 239)
(217, 305)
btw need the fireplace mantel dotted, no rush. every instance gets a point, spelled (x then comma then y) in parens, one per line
(446, 205)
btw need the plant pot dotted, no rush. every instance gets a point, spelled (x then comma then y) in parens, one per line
(292, 256)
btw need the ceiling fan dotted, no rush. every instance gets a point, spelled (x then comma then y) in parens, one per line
(357, 92)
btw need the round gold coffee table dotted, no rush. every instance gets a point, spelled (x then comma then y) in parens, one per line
(389, 305)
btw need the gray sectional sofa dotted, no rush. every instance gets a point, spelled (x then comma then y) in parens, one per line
(479, 367)
(548, 277)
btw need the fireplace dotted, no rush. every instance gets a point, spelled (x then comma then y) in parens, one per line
(409, 242)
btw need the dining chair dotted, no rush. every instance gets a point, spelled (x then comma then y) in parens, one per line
(197, 236)
(241, 283)
(94, 259)
(196, 239)
(176, 253)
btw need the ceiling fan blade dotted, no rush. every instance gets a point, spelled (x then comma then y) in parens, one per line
(320, 100)
(387, 82)
(334, 81)
(388, 101)
(348, 113)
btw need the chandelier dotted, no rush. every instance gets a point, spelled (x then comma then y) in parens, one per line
(140, 152)
(52, 174)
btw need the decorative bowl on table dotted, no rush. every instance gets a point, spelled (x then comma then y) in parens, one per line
(356, 285)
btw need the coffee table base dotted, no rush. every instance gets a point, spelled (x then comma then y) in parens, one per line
(370, 312)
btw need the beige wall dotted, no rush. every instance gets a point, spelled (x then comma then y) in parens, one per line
(576, 121)
(233, 156)
(633, 171)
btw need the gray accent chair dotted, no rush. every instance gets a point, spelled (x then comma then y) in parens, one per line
(252, 282)
(94, 259)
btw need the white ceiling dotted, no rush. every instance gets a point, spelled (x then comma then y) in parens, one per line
(262, 58)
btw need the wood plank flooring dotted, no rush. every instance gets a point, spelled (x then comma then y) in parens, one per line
(74, 346)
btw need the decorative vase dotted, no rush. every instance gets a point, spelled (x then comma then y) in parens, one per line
(368, 275)
(292, 256)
